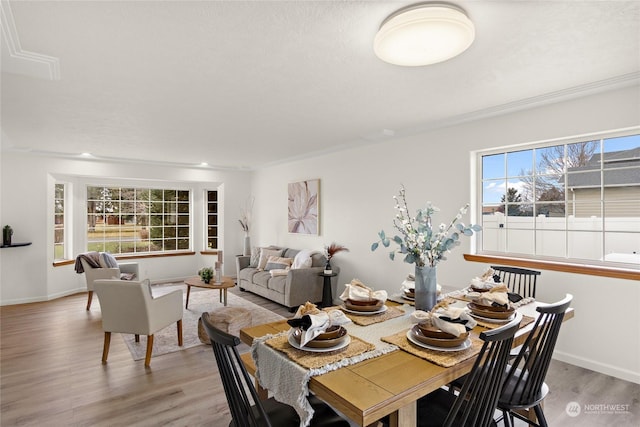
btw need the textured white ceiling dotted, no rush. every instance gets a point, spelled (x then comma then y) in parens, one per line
(246, 84)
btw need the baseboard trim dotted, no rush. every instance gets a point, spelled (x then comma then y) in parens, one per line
(43, 298)
(603, 368)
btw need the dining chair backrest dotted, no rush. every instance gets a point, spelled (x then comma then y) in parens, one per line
(519, 280)
(524, 383)
(478, 398)
(242, 397)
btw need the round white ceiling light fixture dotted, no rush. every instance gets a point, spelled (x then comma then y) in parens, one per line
(424, 34)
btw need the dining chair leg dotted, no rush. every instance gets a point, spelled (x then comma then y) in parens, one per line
(105, 347)
(542, 421)
(179, 325)
(89, 298)
(506, 417)
(147, 357)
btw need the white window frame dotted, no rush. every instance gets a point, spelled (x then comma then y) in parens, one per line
(477, 191)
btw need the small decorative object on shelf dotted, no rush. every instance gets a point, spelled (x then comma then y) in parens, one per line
(7, 232)
(206, 274)
(329, 252)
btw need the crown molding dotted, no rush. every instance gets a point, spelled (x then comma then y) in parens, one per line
(18, 61)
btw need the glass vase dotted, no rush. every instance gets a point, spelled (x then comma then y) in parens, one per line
(426, 288)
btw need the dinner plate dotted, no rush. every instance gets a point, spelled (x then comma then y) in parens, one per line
(361, 308)
(490, 320)
(451, 341)
(405, 296)
(490, 312)
(296, 344)
(465, 345)
(366, 313)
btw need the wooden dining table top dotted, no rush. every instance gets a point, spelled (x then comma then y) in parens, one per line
(389, 384)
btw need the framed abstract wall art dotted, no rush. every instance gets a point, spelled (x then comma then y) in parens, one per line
(303, 216)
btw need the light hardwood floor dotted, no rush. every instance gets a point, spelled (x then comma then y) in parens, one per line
(51, 375)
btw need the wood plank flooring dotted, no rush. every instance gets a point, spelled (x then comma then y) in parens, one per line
(51, 375)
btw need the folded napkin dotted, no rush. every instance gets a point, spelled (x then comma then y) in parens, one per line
(498, 295)
(313, 325)
(357, 291)
(488, 280)
(452, 320)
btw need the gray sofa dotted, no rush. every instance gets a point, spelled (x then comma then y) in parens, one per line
(296, 288)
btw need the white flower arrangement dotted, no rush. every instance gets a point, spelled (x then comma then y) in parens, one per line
(417, 240)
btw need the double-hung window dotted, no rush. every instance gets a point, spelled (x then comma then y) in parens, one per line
(128, 220)
(572, 200)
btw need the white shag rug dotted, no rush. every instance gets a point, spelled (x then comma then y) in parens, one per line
(200, 300)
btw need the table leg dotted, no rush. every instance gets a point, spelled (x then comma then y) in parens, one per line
(327, 298)
(405, 416)
(186, 306)
(225, 297)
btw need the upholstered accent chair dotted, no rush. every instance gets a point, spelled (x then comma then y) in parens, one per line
(128, 307)
(126, 269)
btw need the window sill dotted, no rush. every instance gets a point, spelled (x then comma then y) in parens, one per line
(591, 270)
(125, 258)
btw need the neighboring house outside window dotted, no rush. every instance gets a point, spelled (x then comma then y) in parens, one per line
(137, 220)
(572, 201)
(58, 227)
(211, 218)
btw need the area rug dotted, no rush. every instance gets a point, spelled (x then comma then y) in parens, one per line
(166, 340)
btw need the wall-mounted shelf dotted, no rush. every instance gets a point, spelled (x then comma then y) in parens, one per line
(15, 245)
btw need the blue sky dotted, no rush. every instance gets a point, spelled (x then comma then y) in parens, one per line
(493, 167)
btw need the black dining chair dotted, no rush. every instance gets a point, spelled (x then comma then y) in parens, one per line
(524, 386)
(247, 410)
(476, 403)
(519, 280)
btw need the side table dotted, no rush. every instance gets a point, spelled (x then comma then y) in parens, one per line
(327, 297)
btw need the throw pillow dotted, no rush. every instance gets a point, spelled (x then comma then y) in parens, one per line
(303, 259)
(265, 254)
(107, 260)
(127, 276)
(255, 257)
(277, 263)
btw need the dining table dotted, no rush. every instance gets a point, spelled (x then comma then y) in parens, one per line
(388, 384)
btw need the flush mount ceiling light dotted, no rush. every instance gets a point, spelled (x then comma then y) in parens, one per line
(423, 34)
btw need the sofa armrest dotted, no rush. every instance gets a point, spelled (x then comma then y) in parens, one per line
(242, 261)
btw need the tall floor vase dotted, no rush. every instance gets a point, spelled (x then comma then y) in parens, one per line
(246, 249)
(426, 288)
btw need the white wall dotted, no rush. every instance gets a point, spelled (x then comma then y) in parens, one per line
(26, 190)
(356, 189)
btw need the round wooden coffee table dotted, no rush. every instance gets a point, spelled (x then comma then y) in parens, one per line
(227, 282)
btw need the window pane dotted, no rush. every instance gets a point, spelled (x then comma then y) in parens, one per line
(578, 200)
(520, 163)
(128, 226)
(493, 166)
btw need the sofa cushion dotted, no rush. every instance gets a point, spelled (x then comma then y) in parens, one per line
(275, 263)
(278, 283)
(261, 278)
(265, 254)
(247, 274)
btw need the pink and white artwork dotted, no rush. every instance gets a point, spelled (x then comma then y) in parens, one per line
(303, 207)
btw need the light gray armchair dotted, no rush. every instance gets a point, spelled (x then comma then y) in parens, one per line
(92, 274)
(129, 307)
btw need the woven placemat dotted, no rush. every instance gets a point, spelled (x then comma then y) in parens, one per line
(441, 358)
(524, 322)
(391, 313)
(311, 360)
